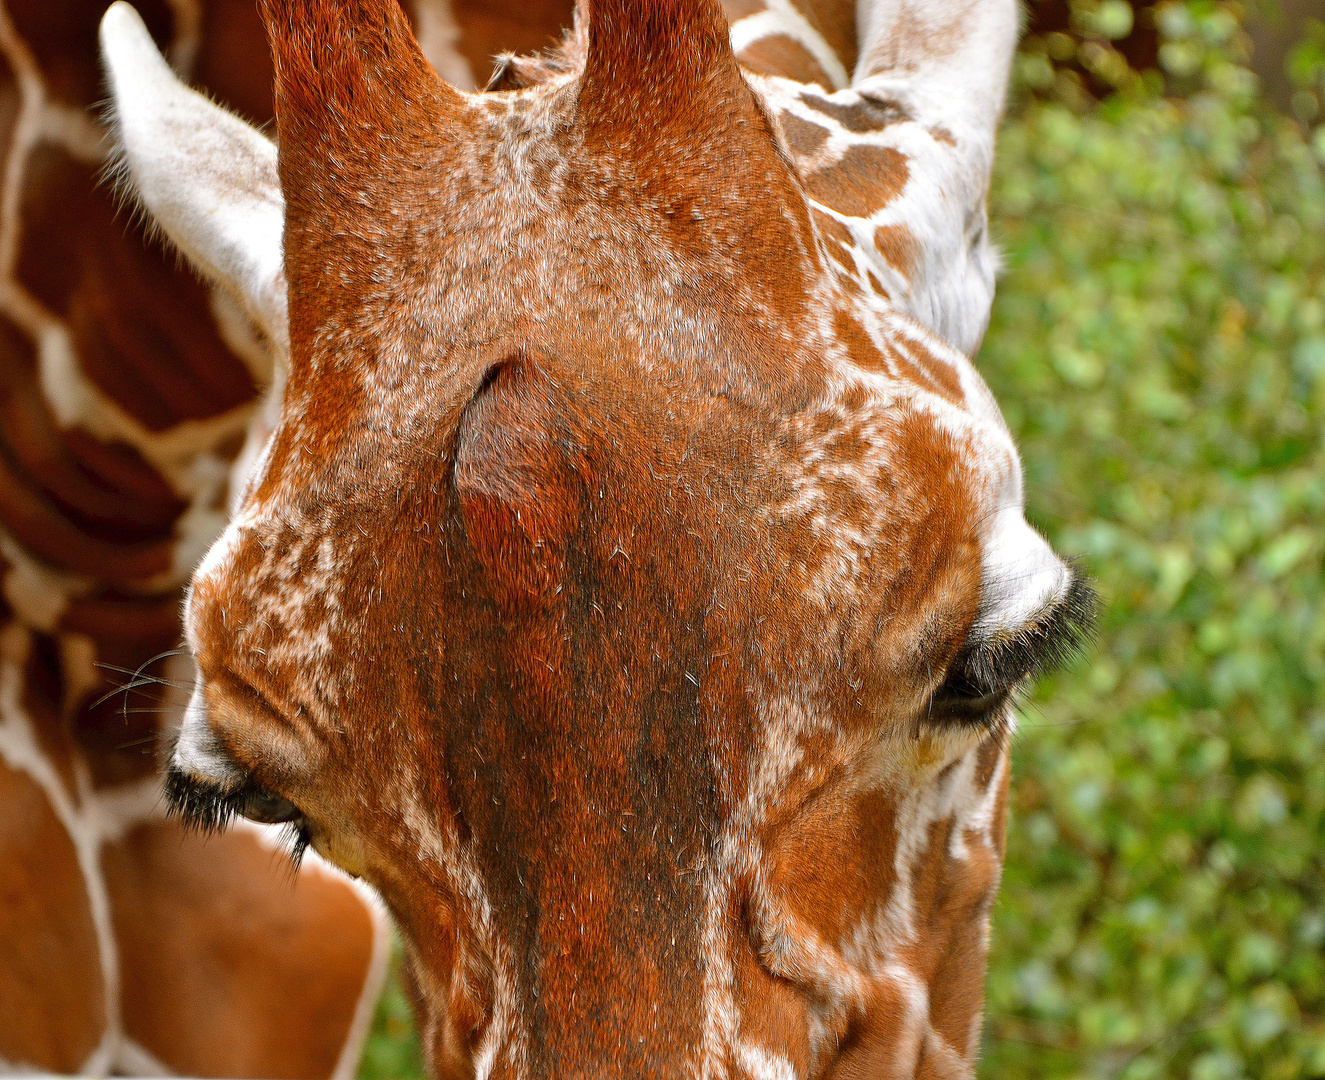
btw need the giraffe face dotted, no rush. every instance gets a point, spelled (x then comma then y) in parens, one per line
(633, 604)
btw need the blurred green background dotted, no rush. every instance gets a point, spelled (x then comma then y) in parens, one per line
(1158, 348)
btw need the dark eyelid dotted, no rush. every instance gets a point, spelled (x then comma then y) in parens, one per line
(985, 673)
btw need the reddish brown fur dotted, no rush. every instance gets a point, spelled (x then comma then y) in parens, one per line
(896, 244)
(853, 185)
(804, 138)
(46, 928)
(781, 55)
(229, 902)
(526, 578)
(199, 992)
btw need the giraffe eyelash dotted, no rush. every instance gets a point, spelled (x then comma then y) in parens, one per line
(201, 804)
(297, 837)
(987, 674)
(209, 807)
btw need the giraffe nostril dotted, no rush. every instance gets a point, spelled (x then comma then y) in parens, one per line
(258, 804)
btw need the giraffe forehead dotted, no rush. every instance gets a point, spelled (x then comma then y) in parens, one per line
(884, 462)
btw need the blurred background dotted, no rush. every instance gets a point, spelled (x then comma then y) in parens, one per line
(1158, 348)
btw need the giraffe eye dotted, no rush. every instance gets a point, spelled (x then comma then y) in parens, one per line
(963, 700)
(259, 804)
(208, 805)
(986, 674)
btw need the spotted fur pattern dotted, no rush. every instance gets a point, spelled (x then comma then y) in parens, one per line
(892, 130)
(627, 587)
(125, 389)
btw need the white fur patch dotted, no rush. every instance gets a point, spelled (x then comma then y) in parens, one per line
(1023, 576)
(207, 179)
(780, 18)
(761, 1064)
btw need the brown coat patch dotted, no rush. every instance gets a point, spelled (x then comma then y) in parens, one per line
(781, 55)
(863, 180)
(836, 21)
(282, 955)
(47, 937)
(804, 138)
(859, 117)
(898, 247)
(837, 240)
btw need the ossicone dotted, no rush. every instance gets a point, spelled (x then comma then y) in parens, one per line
(652, 61)
(350, 74)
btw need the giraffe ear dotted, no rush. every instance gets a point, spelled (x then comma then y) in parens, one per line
(205, 178)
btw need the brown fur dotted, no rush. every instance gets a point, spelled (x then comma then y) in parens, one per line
(597, 501)
(202, 990)
(784, 56)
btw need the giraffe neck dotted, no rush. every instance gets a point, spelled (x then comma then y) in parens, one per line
(880, 109)
(60, 566)
(88, 818)
(126, 389)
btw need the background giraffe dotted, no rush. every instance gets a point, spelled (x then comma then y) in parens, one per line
(127, 391)
(126, 945)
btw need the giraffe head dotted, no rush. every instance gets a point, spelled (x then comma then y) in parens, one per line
(636, 608)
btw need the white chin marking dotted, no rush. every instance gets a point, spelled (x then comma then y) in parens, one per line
(198, 753)
(1022, 576)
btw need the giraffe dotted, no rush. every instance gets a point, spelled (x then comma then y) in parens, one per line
(127, 944)
(634, 584)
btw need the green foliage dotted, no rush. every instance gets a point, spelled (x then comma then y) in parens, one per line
(1182, 44)
(393, 1051)
(1306, 71)
(1158, 347)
